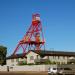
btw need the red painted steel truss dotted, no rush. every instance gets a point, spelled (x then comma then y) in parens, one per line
(34, 39)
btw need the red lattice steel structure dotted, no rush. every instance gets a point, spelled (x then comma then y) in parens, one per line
(34, 39)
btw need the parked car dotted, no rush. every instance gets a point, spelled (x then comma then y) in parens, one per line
(52, 70)
(62, 70)
(55, 70)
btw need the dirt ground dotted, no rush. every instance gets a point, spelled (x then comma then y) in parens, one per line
(23, 73)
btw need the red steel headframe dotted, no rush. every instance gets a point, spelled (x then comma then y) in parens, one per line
(34, 39)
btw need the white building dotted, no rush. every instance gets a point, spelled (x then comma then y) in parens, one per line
(33, 56)
(15, 59)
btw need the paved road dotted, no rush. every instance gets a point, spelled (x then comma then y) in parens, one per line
(23, 73)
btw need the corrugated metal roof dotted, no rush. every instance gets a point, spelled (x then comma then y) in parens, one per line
(58, 53)
(16, 56)
(44, 53)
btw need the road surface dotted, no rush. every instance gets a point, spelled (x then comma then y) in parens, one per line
(23, 73)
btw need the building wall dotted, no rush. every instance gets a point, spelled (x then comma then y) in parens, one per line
(15, 61)
(11, 62)
(31, 56)
(60, 59)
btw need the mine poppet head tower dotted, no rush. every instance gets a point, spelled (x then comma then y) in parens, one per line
(33, 39)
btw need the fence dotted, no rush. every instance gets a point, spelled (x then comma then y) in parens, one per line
(37, 68)
(3, 68)
(26, 68)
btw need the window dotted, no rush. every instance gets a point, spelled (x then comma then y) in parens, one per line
(58, 57)
(63, 57)
(48, 57)
(37, 56)
(31, 58)
(54, 68)
(12, 60)
(54, 57)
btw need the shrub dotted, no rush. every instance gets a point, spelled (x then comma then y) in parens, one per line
(30, 64)
(53, 62)
(22, 63)
(47, 62)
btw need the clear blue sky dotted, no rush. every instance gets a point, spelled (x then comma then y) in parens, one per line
(58, 20)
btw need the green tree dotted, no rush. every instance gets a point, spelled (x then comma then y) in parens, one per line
(53, 62)
(3, 52)
(47, 61)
